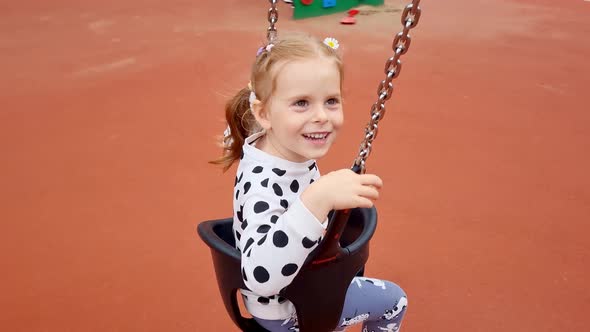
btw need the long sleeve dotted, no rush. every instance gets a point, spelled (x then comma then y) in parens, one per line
(275, 241)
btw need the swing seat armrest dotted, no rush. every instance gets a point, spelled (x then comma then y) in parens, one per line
(369, 218)
(212, 231)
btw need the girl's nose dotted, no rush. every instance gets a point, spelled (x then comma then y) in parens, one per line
(320, 114)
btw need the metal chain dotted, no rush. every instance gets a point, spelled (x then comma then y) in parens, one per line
(273, 17)
(393, 66)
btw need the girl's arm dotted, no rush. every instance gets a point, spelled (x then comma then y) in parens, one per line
(275, 242)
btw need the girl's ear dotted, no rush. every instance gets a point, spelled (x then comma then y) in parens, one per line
(261, 115)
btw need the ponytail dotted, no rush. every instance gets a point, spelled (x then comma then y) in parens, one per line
(241, 123)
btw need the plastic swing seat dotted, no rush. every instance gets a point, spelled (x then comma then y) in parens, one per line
(319, 289)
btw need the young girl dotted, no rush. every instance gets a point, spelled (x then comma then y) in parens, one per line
(287, 117)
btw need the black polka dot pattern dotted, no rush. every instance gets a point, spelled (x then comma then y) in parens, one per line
(289, 269)
(294, 186)
(244, 224)
(260, 207)
(307, 243)
(257, 169)
(263, 300)
(277, 189)
(280, 239)
(261, 274)
(279, 172)
(238, 236)
(237, 193)
(261, 241)
(248, 244)
(285, 203)
(312, 166)
(247, 186)
(264, 183)
(263, 229)
(244, 275)
(274, 219)
(238, 179)
(240, 213)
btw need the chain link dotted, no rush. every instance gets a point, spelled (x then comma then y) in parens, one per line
(393, 66)
(273, 17)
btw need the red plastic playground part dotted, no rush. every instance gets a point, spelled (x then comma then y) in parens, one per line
(350, 18)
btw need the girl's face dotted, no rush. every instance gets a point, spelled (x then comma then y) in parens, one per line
(304, 114)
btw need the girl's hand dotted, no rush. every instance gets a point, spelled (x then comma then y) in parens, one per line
(342, 189)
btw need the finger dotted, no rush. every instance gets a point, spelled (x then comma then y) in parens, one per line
(371, 179)
(363, 202)
(369, 192)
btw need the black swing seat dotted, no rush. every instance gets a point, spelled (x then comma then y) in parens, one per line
(319, 289)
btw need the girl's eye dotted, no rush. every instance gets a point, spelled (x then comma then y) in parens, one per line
(333, 101)
(301, 103)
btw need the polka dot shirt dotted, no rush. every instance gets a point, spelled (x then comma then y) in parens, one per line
(274, 231)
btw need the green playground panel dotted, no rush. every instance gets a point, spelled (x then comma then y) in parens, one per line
(316, 8)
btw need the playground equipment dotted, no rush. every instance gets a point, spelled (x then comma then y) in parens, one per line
(319, 289)
(311, 8)
(350, 19)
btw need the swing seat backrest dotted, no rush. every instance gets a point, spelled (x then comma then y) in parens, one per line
(318, 290)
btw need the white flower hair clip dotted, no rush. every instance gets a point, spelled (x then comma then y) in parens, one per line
(332, 42)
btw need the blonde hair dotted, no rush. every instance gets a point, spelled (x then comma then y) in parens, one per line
(238, 114)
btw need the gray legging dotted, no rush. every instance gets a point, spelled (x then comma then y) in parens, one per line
(380, 305)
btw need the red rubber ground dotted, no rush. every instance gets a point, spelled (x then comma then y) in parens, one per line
(109, 112)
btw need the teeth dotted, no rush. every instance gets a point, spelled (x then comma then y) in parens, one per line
(316, 136)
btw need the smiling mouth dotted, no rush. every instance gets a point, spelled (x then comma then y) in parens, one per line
(316, 136)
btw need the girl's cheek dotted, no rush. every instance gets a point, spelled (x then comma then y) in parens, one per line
(339, 120)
